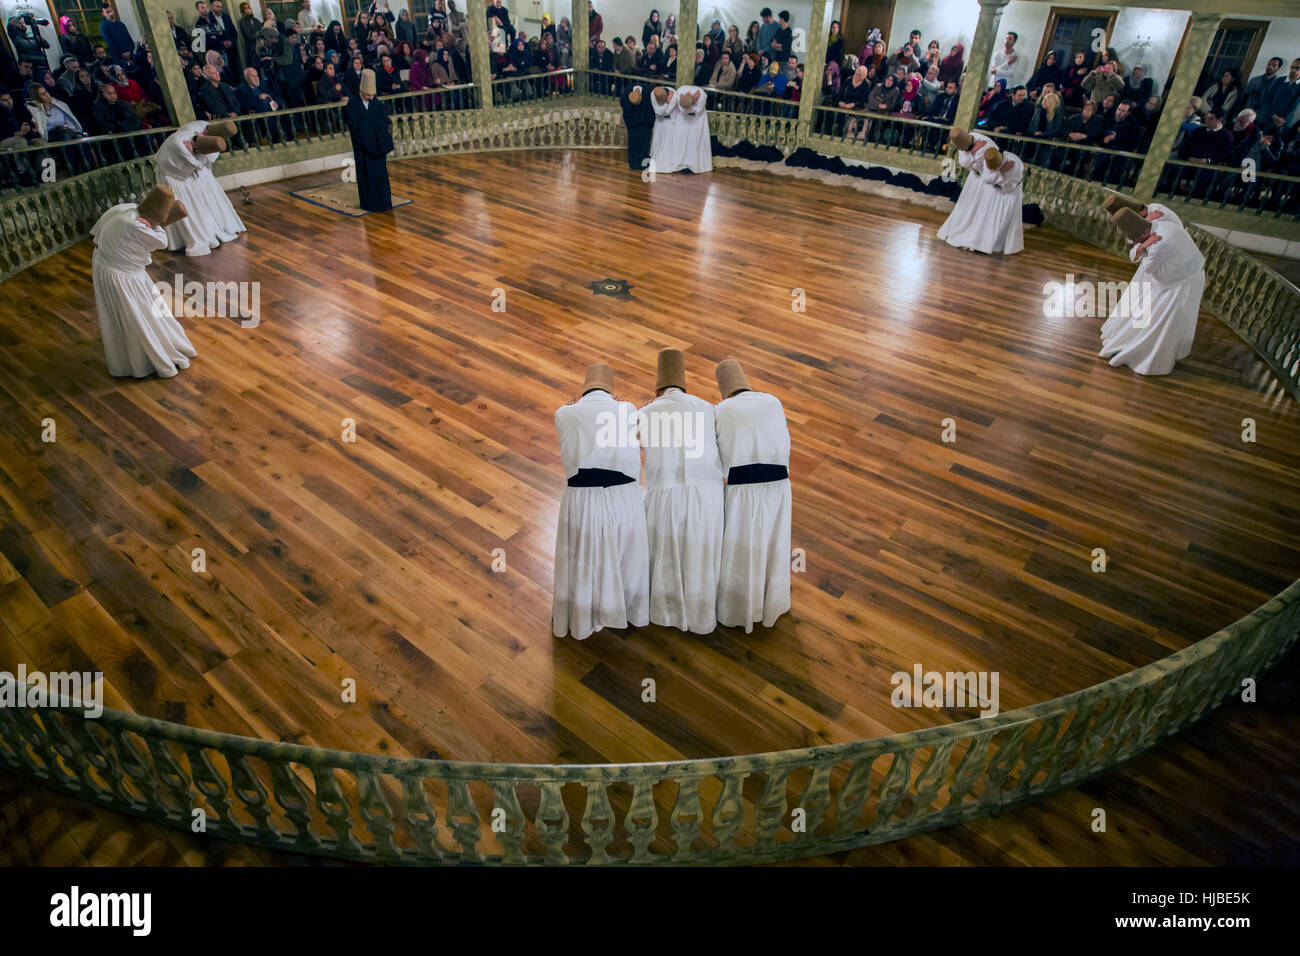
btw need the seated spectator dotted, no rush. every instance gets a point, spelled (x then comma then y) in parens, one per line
(1138, 87)
(854, 94)
(703, 70)
(749, 74)
(711, 52)
(884, 96)
(993, 96)
(1245, 139)
(217, 96)
(1124, 132)
(1048, 120)
(1221, 98)
(905, 58)
(909, 103)
(1049, 72)
(601, 58)
(387, 78)
(113, 115)
(1209, 143)
(625, 55)
(1102, 82)
(930, 88)
(1086, 127)
(772, 83)
(330, 90)
(83, 101)
(723, 76)
(352, 78)
(944, 108)
(1011, 115)
(67, 78)
(53, 120)
(1107, 107)
(253, 97)
(16, 127)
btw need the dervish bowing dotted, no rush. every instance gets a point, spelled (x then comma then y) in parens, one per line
(754, 445)
(1001, 230)
(692, 119)
(184, 164)
(1154, 321)
(602, 561)
(141, 336)
(666, 144)
(684, 501)
(962, 221)
(1149, 211)
(372, 141)
(639, 117)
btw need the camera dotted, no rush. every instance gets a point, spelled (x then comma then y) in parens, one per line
(33, 21)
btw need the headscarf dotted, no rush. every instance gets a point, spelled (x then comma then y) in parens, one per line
(950, 66)
(518, 54)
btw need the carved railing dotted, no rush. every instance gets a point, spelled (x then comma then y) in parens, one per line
(727, 810)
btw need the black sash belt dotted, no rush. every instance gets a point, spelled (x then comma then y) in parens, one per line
(599, 478)
(756, 474)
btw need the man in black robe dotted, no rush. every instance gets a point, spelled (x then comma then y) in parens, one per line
(371, 143)
(639, 116)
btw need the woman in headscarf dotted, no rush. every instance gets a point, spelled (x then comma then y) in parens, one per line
(874, 56)
(995, 95)
(835, 45)
(458, 54)
(885, 96)
(519, 56)
(83, 99)
(335, 38)
(564, 33)
(421, 78)
(387, 78)
(909, 105)
(405, 28)
(361, 27)
(670, 27)
(952, 65)
(1071, 81)
(213, 58)
(651, 28)
(1048, 73)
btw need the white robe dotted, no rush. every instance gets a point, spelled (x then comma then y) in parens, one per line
(683, 508)
(140, 334)
(1166, 214)
(666, 140)
(602, 556)
(693, 128)
(962, 217)
(1154, 321)
(212, 220)
(755, 576)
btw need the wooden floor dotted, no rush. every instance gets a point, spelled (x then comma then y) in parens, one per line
(372, 560)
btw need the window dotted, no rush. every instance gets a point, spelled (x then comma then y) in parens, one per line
(1072, 31)
(1235, 47)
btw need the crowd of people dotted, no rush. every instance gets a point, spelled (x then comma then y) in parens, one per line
(252, 63)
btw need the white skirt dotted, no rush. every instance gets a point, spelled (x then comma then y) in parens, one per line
(684, 524)
(1162, 341)
(995, 225)
(602, 561)
(212, 220)
(755, 576)
(141, 336)
(963, 213)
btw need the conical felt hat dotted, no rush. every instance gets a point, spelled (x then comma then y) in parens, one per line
(731, 378)
(671, 371)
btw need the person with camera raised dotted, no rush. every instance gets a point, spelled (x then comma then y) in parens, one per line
(29, 46)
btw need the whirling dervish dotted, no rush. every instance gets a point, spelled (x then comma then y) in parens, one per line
(184, 164)
(754, 445)
(141, 336)
(692, 121)
(1154, 321)
(666, 141)
(961, 222)
(683, 502)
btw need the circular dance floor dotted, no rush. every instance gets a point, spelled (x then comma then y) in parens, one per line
(416, 560)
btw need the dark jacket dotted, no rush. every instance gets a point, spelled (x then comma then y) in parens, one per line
(219, 100)
(1203, 143)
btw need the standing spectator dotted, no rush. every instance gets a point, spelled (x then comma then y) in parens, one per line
(29, 45)
(595, 24)
(1071, 87)
(784, 38)
(624, 55)
(1048, 73)
(287, 57)
(1103, 82)
(651, 28)
(1280, 99)
(250, 28)
(1005, 60)
(952, 65)
(1222, 98)
(229, 36)
(767, 31)
(72, 41)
